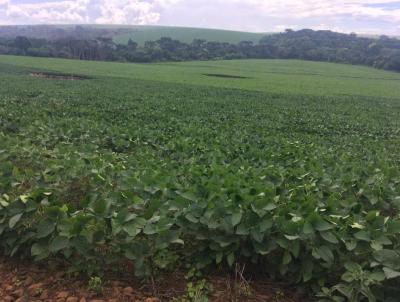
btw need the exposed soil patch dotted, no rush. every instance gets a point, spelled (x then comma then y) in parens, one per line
(59, 76)
(218, 75)
(22, 281)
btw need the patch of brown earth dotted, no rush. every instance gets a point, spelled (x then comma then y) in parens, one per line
(59, 76)
(22, 281)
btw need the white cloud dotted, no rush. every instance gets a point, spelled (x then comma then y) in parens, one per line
(324, 8)
(4, 4)
(66, 11)
(70, 11)
(324, 26)
(127, 12)
(132, 11)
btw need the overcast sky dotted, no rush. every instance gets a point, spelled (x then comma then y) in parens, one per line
(362, 16)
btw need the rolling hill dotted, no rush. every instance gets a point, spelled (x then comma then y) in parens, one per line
(122, 33)
(141, 34)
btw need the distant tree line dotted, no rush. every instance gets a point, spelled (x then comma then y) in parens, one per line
(381, 52)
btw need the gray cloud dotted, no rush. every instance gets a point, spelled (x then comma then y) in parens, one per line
(380, 16)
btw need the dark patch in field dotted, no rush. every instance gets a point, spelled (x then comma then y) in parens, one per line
(329, 76)
(59, 76)
(217, 75)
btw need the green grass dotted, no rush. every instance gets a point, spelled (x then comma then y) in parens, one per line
(293, 170)
(141, 34)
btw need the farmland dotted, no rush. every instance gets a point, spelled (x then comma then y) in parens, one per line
(141, 34)
(291, 168)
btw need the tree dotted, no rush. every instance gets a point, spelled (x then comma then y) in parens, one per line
(305, 44)
(132, 46)
(22, 43)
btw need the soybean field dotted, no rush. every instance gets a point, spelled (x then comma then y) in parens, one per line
(289, 168)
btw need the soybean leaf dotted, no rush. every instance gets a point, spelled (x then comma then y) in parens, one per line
(58, 244)
(45, 228)
(236, 218)
(14, 220)
(328, 236)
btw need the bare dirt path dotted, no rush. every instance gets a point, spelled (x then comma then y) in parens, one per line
(26, 282)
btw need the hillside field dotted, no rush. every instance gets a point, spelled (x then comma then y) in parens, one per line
(288, 168)
(141, 34)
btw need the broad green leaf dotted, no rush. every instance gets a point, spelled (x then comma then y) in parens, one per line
(283, 243)
(236, 218)
(187, 196)
(242, 230)
(58, 243)
(191, 218)
(287, 258)
(356, 225)
(178, 241)
(308, 267)
(390, 273)
(45, 228)
(218, 258)
(322, 225)
(379, 276)
(38, 250)
(291, 238)
(100, 207)
(348, 277)
(325, 253)
(131, 229)
(266, 224)
(389, 258)
(14, 220)
(383, 240)
(149, 229)
(295, 248)
(394, 226)
(353, 267)
(308, 228)
(346, 290)
(4, 203)
(362, 235)
(376, 245)
(270, 207)
(257, 235)
(230, 259)
(24, 198)
(351, 245)
(328, 236)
